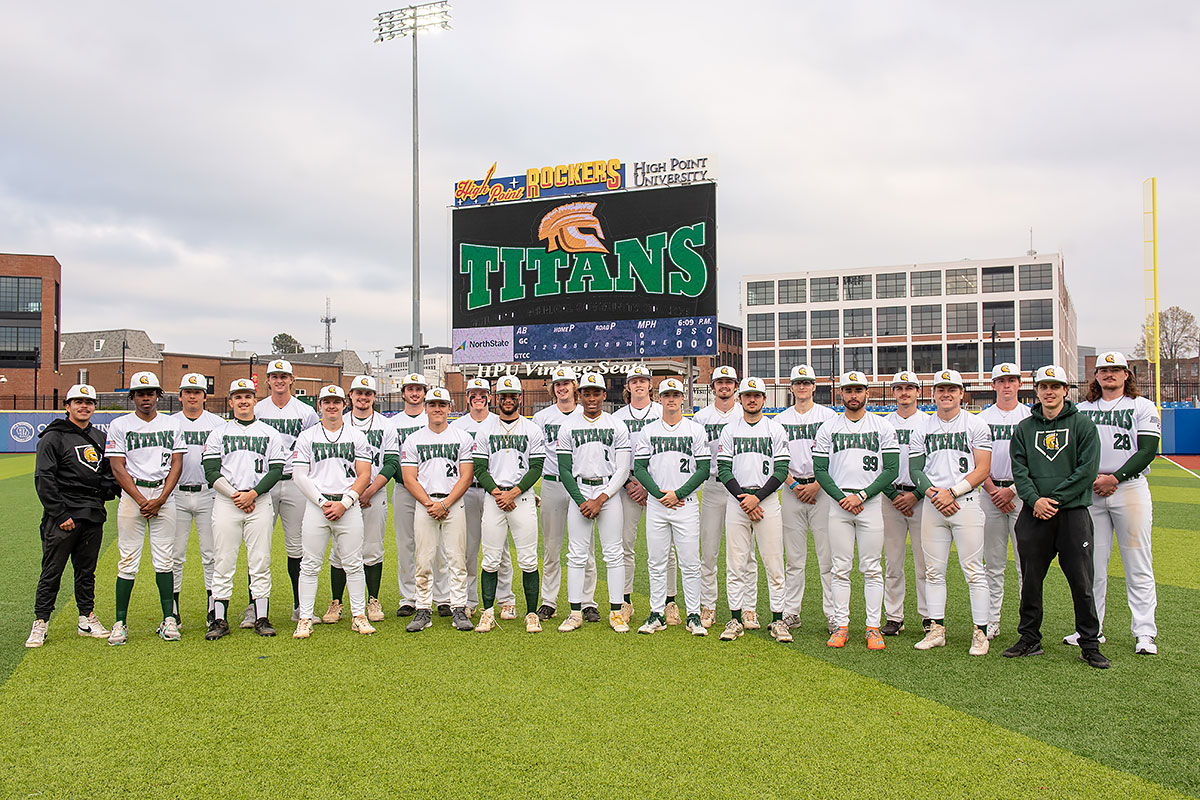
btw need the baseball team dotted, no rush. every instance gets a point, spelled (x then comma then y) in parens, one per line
(1057, 479)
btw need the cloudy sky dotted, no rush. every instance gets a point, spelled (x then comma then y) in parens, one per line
(216, 170)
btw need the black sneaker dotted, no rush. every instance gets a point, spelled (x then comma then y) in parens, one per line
(421, 620)
(546, 612)
(212, 616)
(262, 626)
(1022, 648)
(444, 610)
(591, 614)
(1094, 658)
(461, 620)
(892, 627)
(406, 610)
(926, 624)
(216, 629)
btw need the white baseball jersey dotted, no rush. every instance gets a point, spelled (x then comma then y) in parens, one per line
(801, 430)
(293, 419)
(195, 433)
(753, 450)
(596, 446)
(673, 451)
(855, 449)
(437, 457)
(551, 420)
(246, 451)
(714, 421)
(404, 424)
(636, 420)
(948, 446)
(1002, 424)
(381, 437)
(330, 456)
(904, 429)
(508, 446)
(1120, 423)
(146, 446)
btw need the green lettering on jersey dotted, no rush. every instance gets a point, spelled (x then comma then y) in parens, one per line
(670, 444)
(867, 440)
(636, 425)
(194, 437)
(753, 444)
(956, 440)
(138, 441)
(582, 436)
(428, 452)
(498, 442)
(289, 426)
(551, 433)
(1115, 418)
(252, 444)
(713, 430)
(903, 436)
(799, 432)
(322, 451)
(1001, 433)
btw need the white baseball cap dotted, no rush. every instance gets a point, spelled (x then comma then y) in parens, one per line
(1111, 359)
(593, 379)
(241, 385)
(853, 378)
(564, 374)
(413, 379)
(364, 382)
(508, 384)
(193, 380)
(1006, 370)
(478, 383)
(81, 391)
(1051, 373)
(332, 390)
(751, 385)
(438, 394)
(803, 372)
(279, 365)
(948, 377)
(906, 378)
(144, 380)
(671, 385)
(638, 371)
(723, 372)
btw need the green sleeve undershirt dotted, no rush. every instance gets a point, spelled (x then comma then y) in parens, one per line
(391, 466)
(916, 470)
(482, 475)
(821, 471)
(1139, 461)
(567, 479)
(212, 470)
(641, 472)
(698, 477)
(891, 468)
(273, 476)
(535, 472)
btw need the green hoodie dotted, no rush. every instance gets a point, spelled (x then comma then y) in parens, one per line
(1056, 458)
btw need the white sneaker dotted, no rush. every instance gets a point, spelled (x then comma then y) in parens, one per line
(487, 620)
(304, 629)
(532, 623)
(617, 621)
(935, 638)
(779, 631)
(118, 634)
(653, 624)
(1073, 639)
(1145, 646)
(508, 611)
(168, 631)
(37, 636)
(708, 616)
(993, 630)
(333, 614)
(979, 643)
(696, 628)
(573, 622)
(627, 612)
(362, 625)
(375, 610)
(249, 617)
(733, 629)
(750, 619)
(671, 614)
(92, 626)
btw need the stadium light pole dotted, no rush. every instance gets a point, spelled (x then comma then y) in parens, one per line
(408, 21)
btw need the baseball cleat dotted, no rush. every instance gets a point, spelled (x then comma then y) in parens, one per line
(508, 611)
(92, 626)
(695, 627)
(616, 620)
(1022, 648)
(573, 622)
(926, 624)
(979, 643)
(708, 616)
(532, 623)
(627, 612)
(671, 614)
(168, 631)
(1073, 639)
(1145, 646)
(406, 610)
(375, 610)
(37, 636)
(892, 627)
(217, 629)
(295, 615)
(211, 617)
(422, 619)
(470, 611)
(119, 634)
(935, 638)
(653, 624)
(304, 629)
(839, 637)
(460, 619)
(546, 612)
(263, 627)
(733, 630)
(792, 621)
(487, 620)
(444, 610)
(1094, 658)
(333, 614)
(591, 614)
(750, 619)
(831, 625)
(362, 625)
(779, 631)
(993, 630)
(875, 639)
(248, 617)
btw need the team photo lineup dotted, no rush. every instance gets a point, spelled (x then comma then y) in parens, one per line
(1061, 479)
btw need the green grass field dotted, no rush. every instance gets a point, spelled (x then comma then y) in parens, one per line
(592, 714)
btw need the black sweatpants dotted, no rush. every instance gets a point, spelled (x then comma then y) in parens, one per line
(1068, 534)
(82, 546)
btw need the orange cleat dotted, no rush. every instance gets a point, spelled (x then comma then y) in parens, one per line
(874, 639)
(839, 637)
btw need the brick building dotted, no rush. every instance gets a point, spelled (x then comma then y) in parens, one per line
(30, 309)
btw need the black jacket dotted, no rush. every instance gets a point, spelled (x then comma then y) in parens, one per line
(71, 476)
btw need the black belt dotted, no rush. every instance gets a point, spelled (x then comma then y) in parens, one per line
(475, 485)
(191, 487)
(805, 481)
(904, 487)
(592, 481)
(437, 495)
(147, 484)
(506, 488)
(750, 489)
(1002, 484)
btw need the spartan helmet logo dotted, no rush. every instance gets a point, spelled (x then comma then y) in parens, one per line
(1051, 441)
(90, 455)
(1108, 359)
(560, 228)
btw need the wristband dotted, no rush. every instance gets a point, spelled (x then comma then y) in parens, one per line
(347, 502)
(353, 495)
(962, 487)
(862, 496)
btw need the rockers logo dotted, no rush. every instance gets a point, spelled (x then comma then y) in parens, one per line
(1051, 443)
(562, 229)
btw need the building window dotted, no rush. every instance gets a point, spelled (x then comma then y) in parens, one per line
(857, 321)
(856, 287)
(962, 281)
(1035, 355)
(963, 357)
(859, 358)
(762, 363)
(1035, 277)
(893, 359)
(998, 316)
(19, 343)
(825, 361)
(83, 376)
(891, 285)
(927, 357)
(789, 358)
(926, 319)
(998, 353)
(824, 325)
(760, 293)
(23, 295)
(962, 318)
(824, 290)
(997, 279)
(97, 345)
(792, 325)
(760, 327)
(891, 320)
(1037, 315)
(927, 284)
(791, 291)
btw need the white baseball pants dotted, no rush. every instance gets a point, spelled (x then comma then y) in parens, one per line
(678, 529)
(374, 519)
(897, 530)
(522, 524)
(475, 501)
(866, 529)
(197, 507)
(580, 543)
(442, 541)
(741, 534)
(555, 502)
(965, 528)
(1128, 515)
(132, 529)
(632, 515)
(798, 520)
(346, 533)
(404, 506)
(998, 530)
(290, 503)
(231, 527)
(713, 498)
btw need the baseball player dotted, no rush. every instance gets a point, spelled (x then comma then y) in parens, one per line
(436, 465)
(479, 397)
(804, 507)
(856, 457)
(243, 460)
(639, 411)
(385, 465)
(290, 417)
(555, 500)
(413, 388)
(671, 460)
(902, 511)
(714, 417)
(752, 462)
(194, 497)
(145, 451)
(948, 460)
(331, 467)
(1130, 430)
(508, 456)
(1001, 505)
(593, 465)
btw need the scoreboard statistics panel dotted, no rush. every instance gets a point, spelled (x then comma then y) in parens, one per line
(645, 338)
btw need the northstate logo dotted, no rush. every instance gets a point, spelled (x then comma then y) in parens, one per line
(1051, 443)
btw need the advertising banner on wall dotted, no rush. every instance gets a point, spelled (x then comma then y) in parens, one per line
(19, 429)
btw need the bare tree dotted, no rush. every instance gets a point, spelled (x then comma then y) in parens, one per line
(1177, 335)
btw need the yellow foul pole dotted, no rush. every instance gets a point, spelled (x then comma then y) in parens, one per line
(1150, 273)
